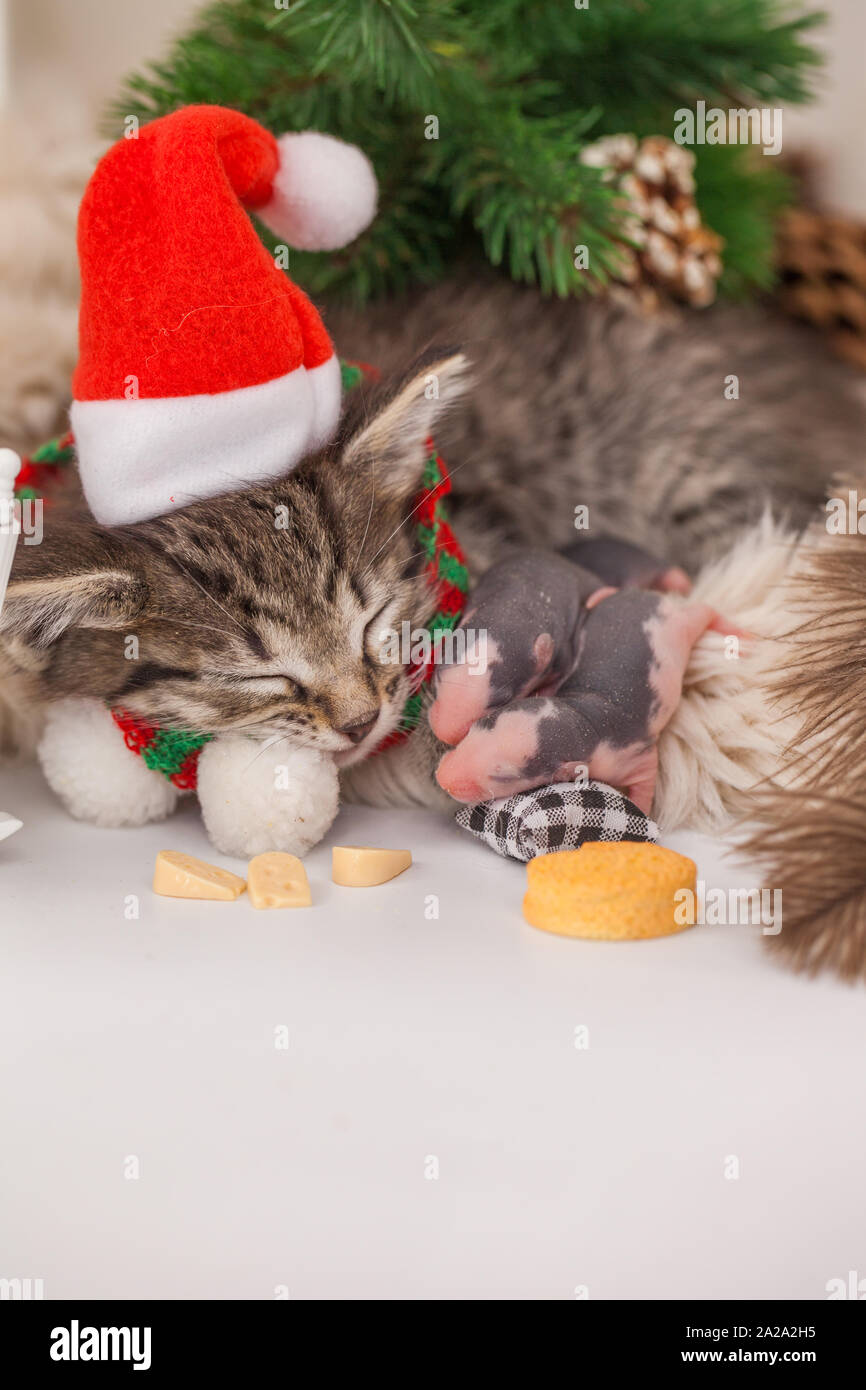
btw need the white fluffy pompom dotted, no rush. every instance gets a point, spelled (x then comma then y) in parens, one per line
(256, 797)
(88, 765)
(324, 193)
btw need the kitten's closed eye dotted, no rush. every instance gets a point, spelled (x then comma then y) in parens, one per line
(275, 680)
(379, 613)
(378, 628)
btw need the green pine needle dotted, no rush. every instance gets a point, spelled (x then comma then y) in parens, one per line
(517, 90)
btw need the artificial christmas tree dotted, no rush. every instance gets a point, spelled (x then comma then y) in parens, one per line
(475, 114)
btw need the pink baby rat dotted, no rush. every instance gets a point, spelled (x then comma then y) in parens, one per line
(579, 675)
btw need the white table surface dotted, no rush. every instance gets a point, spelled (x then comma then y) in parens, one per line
(303, 1169)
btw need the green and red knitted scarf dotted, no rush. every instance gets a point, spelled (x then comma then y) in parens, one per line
(175, 752)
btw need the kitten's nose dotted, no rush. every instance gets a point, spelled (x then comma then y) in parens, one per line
(359, 728)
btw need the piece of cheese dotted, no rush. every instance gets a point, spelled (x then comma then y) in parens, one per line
(278, 880)
(612, 891)
(183, 876)
(363, 866)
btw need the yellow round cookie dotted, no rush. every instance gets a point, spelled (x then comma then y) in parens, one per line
(611, 891)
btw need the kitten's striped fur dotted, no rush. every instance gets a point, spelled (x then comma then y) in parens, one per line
(262, 610)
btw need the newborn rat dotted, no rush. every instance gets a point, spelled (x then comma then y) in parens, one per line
(580, 675)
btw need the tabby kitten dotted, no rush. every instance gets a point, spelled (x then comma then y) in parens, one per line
(243, 625)
(262, 611)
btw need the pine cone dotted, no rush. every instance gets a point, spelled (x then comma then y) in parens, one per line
(673, 255)
(822, 268)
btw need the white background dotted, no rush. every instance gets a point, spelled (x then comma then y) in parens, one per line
(408, 1038)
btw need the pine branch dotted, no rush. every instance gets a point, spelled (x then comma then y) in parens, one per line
(518, 91)
(395, 44)
(521, 182)
(629, 54)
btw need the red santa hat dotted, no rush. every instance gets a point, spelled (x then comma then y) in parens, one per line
(202, 368)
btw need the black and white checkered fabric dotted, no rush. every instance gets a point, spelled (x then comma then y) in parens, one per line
(563, 816)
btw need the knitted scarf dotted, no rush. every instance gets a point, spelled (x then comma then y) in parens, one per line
(175, 752)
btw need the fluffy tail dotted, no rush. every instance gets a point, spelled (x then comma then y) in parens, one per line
(811, 832)
(812, 846)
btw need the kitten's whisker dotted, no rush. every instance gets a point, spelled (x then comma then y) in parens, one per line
(403, 523)
(411, 515)
(417, 578)
(369, 513)
(268, 743)
(214, 601)
(184, 622)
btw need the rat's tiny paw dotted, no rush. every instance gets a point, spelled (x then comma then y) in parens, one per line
(258, 796)
(96, 776)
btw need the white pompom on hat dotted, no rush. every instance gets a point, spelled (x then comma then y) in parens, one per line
(324, 192)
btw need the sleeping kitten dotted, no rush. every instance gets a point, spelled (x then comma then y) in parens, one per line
(242, 625)
(261, 611)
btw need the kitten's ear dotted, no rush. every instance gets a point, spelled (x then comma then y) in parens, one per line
(394, 439)
(45, 598)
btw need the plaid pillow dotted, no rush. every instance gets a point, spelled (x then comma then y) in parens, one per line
(563, 816)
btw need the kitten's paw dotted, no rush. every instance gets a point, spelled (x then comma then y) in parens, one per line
(265, 796)
(98, 779)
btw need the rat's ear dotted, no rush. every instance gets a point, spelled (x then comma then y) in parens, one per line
(79, 581)
(394, 438)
